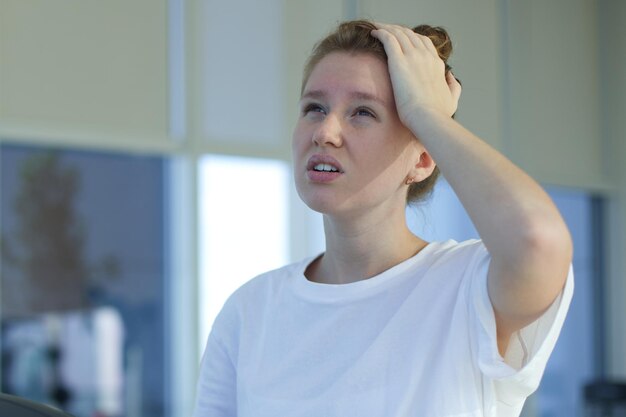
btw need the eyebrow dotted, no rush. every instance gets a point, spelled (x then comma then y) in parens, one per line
(359, 95)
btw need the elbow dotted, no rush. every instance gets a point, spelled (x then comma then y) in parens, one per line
(548, 241)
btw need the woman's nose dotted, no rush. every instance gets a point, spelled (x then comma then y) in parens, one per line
(328, 132)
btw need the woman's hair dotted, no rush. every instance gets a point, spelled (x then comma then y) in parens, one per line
(355, 37)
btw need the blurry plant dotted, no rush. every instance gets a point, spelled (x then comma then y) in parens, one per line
(44, 264)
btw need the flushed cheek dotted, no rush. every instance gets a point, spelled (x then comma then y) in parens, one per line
(299, 149)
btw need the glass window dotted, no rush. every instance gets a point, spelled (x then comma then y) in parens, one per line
(243, 226)
(441, 216)
(560, 392)
(82, 277)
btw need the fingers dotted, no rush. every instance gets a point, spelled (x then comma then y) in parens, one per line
(399, 34)
(454, 84)
(405, 38)
(455, 89)
(390, 42)
(418, 75)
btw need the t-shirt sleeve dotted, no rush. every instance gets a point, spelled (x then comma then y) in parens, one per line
(217, 383)
(518, 374)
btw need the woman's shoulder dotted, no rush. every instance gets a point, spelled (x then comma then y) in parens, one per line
(250, 300)
(269, 282)
(449, 250)
(456, 259)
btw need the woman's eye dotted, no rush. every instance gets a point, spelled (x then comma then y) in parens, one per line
(313, 108)
(364, 112)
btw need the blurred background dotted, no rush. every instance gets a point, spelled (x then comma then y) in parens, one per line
(145, 174)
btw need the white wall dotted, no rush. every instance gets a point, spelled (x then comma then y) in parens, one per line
(551, 65)
(84, 72)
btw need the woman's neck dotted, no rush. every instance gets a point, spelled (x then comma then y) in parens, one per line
(358, 250)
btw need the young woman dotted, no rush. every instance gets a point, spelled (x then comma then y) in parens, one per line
(383, 323)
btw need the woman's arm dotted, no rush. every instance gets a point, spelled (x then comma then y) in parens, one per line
(529, 243)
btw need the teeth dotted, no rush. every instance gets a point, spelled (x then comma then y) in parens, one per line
(325, 167)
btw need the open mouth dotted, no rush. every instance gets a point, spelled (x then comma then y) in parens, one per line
(325, 168)
(323, 163)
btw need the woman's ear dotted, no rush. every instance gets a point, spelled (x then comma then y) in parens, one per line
(422, 169)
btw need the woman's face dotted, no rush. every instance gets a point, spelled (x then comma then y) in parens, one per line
(350, 150)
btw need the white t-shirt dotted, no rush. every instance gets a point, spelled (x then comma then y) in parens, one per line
(417, 340)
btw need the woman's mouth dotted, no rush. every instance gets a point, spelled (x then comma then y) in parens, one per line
(323, 168)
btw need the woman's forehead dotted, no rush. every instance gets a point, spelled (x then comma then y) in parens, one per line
(361, 75)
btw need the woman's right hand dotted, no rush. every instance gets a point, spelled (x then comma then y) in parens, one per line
(420, 83)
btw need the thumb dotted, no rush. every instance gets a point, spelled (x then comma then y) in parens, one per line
(455, 86)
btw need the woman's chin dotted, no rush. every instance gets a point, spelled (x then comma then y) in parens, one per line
(322, 207)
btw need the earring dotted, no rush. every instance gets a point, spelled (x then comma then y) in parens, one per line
(409, 181)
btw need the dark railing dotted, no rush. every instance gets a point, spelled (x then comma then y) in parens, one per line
(605, 398)
(12, 406)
